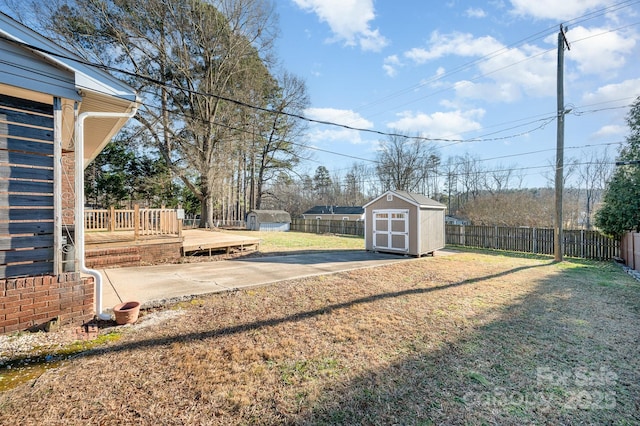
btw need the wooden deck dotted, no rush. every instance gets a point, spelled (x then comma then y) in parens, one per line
(124, 239)
(193, 241)
(200, 240)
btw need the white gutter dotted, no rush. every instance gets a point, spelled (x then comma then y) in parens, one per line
(79, 211)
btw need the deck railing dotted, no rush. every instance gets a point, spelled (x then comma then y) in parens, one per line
(143, 222)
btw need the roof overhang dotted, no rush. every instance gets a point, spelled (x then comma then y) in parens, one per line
(95, 89)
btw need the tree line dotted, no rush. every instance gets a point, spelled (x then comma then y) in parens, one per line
(219, 133)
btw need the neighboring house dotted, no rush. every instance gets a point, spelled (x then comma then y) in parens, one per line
(334, 213)
(454, 220)
(56, 115)
(268, 220)
(404, 222)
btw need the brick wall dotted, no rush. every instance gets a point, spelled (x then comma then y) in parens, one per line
(32, 301)
(154, 254)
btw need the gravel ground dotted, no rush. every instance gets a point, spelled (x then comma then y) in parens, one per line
(32, 344)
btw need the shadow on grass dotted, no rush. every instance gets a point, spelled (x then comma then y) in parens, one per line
(240, 328)
(538, 358)
(563, 354)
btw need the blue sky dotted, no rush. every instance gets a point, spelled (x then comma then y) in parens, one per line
(464, 71)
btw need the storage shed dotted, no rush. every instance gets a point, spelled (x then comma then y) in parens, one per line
(268, 220)
(404, 222)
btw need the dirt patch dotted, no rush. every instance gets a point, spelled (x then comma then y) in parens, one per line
(466, 339)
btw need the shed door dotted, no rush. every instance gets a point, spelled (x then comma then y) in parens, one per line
(391, 230)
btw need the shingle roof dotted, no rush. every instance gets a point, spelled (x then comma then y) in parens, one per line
(337, 210)
(419, 199)
(412, 197)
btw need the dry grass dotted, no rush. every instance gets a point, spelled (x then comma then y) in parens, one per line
(464, 339)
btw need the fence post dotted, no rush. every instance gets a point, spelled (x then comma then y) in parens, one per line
(136, 221)
(112, 219)
(535, 240)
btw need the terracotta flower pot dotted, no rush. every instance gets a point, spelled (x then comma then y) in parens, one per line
(126, 313)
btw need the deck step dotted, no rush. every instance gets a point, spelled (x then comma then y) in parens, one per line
(112, 257)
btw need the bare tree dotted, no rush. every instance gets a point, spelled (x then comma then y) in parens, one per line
(273, 148)
(499, 179)
(593, 171)
(451, 185)
(403, 163)
(471, 176)
(188, 58)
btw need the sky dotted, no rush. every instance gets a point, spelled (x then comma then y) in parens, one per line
(476, 78)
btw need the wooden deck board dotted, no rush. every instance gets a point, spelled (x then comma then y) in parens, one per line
(197, 240)
(125, 239)
(193, 240)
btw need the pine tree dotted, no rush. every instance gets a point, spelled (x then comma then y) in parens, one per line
(621, 205)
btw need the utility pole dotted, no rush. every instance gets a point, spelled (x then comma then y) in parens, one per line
(558, 245)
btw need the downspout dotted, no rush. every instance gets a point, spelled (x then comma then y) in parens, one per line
(79, 211)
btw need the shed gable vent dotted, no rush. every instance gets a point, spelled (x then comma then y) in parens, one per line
(389, 197)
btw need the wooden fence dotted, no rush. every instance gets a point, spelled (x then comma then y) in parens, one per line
(577, 243)
(630, 250)
(143, 222)
(318, 226)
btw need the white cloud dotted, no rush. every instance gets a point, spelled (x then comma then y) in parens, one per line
(391, 64)
(557, 10)
(613, 96)
(507, 73)
(443, 125)
(475, 13)
(610, 131)
(460, 44)
(599, 50)
(339, 116)
(620, 93)
(348, 20)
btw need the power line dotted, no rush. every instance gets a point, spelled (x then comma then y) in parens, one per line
(451, 140)
(271, 111)
(485, 58)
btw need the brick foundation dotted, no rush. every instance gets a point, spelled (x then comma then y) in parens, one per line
(33, 301)
(155, 254)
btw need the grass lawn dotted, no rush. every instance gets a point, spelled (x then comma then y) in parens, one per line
(471, 338)
(282, 242)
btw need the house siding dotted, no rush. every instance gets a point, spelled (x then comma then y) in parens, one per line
(26, 188)
(21, 68)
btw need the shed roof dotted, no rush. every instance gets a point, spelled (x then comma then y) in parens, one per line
(337, 210)
(272, 216)
(413, 198)
(99, 91)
